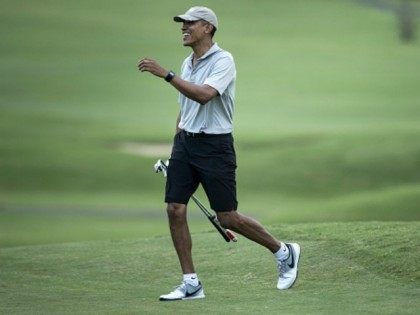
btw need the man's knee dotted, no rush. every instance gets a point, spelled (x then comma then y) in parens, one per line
(176, 211)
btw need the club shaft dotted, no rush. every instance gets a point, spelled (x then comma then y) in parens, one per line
(201, 206)
(212, 219)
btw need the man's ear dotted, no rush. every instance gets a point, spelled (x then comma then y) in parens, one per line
(209, 28)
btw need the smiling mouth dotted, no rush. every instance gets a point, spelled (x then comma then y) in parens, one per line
(185, 35)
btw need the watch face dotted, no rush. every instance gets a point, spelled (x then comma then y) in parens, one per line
(169, 76)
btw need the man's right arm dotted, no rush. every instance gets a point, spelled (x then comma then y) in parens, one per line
(199, 93)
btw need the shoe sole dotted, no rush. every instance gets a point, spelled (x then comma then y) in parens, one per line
(199, 295)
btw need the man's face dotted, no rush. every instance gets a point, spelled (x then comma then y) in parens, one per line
(193, 32)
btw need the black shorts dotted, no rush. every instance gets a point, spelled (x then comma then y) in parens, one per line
(206, 159)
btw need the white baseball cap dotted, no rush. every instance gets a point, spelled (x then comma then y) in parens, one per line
(198, 13)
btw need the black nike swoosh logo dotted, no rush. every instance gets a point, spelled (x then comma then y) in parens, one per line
(192, 293)
(293, 257)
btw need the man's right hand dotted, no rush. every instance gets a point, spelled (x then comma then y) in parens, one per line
(150, 65)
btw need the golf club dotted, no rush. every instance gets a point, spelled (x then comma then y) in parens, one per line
(228, 235)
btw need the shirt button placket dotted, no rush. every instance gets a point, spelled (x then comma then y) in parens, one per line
(192, 76)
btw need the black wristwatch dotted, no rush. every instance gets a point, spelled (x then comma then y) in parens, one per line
(169, 76)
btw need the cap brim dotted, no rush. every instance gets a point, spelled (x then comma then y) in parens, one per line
(185, 17)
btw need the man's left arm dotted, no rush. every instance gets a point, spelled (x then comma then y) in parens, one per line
(199, 93)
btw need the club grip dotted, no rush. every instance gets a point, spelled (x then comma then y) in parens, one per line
(219, 228)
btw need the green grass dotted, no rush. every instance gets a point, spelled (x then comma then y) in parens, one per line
(329, 95)
(346, 268)
(326, 129)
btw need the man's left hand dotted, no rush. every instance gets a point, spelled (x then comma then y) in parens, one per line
(152, 66)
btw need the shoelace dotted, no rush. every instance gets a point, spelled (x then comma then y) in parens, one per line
(282, 265)
(182, 287)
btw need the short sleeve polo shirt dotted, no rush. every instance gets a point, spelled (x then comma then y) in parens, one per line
(215, 68)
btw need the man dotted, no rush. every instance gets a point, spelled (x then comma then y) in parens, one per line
(203, 150)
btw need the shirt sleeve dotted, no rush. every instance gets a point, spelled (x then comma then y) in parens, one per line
(222, 74)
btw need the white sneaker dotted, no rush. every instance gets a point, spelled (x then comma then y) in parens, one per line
(288, 268)
(185, 291)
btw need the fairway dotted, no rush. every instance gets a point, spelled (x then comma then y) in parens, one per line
(326, 124)
(327, 129)
(347, 268)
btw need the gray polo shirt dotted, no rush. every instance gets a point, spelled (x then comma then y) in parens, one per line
(215, 68)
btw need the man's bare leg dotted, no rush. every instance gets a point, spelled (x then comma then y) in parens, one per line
(181, 237)
(287, 255)
(249, 228)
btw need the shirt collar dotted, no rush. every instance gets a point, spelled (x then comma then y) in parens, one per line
(214, 48)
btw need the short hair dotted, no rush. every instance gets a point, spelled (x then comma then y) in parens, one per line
(213, 31)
